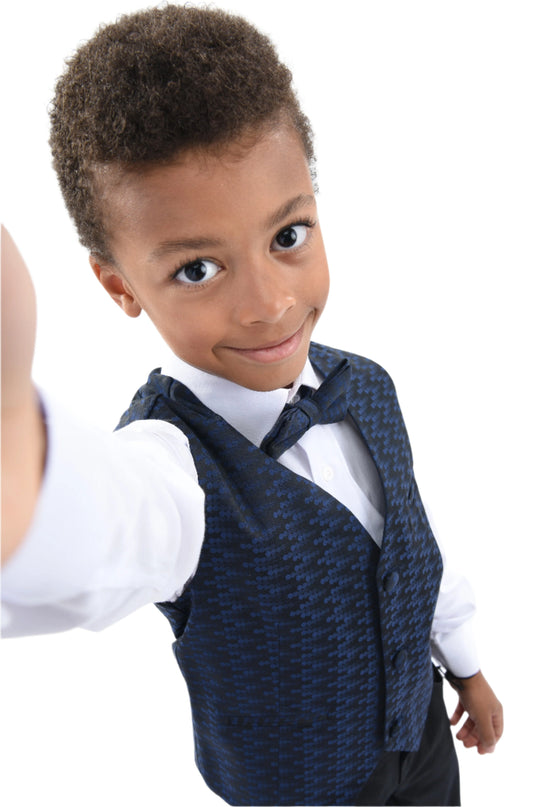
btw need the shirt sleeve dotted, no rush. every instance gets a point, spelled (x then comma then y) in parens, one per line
(119, 523)
(453, 643)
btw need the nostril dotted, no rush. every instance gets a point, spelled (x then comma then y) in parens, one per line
(265, 308)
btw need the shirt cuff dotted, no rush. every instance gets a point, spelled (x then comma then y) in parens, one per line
(44, 565)
(457, 650)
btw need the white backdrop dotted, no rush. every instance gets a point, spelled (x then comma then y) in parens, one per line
(427, 124)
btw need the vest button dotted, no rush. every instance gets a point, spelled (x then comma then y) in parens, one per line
(391, 581)
(394, 728)
(400, 660)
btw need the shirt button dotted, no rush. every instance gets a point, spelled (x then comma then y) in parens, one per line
(328, 473)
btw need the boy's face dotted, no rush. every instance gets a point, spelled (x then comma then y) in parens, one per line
(225, 255)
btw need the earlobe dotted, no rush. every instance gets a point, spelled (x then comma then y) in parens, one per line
(116, 286)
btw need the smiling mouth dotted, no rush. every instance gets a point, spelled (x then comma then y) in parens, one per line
(274, 352)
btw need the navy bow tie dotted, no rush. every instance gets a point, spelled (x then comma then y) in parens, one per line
(327, 404)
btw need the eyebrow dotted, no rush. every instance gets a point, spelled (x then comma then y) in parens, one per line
(288, 208)
(183, 245)
(201, 243)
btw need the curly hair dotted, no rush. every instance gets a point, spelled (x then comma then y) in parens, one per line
(155, 83)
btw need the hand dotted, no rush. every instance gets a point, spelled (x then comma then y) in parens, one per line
(484, 725)
(23, 432)
(18, 326)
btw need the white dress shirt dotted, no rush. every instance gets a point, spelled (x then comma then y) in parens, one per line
(120, 519)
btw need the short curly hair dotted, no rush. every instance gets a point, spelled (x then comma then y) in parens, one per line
(155, 83)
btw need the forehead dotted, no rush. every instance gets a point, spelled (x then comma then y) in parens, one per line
(247, 178)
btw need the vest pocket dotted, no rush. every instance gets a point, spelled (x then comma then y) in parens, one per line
(304, 721)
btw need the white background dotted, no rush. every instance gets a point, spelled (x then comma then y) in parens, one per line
(426, 116)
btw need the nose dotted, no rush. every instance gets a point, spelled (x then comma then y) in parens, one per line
(264, 293)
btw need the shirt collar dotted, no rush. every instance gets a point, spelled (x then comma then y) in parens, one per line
(251, 413)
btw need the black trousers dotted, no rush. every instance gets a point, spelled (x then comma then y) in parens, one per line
(429, 776)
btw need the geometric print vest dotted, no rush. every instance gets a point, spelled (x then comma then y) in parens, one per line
(305, 648)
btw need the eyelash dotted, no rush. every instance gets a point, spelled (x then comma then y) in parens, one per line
(308, 223)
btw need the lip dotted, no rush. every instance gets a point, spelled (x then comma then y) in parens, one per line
(275, 351)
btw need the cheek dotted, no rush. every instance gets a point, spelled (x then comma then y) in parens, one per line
(320, 286)
(194, 328)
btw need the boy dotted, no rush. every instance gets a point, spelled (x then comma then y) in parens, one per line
(303, 619)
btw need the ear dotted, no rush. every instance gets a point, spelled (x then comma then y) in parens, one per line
(116, 285)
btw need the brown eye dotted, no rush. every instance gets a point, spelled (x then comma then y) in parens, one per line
(287, 238)
(196, 272)
(290, 237)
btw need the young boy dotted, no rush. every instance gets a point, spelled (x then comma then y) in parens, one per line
(291, 555)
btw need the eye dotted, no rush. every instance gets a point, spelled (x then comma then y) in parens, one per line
(291, 237)
(196, 272)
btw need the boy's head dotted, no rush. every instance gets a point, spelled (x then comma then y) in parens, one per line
(187, 165)
(153, 85)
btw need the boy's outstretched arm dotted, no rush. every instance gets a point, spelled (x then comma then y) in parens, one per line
(484, 725)
(113, 522)
(23, 430)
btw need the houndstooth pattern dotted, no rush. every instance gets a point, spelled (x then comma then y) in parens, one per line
(305, 649)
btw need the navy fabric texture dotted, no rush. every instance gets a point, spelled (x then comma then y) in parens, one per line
(305, 649)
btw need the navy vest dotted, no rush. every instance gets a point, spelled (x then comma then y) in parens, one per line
(304, 647)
